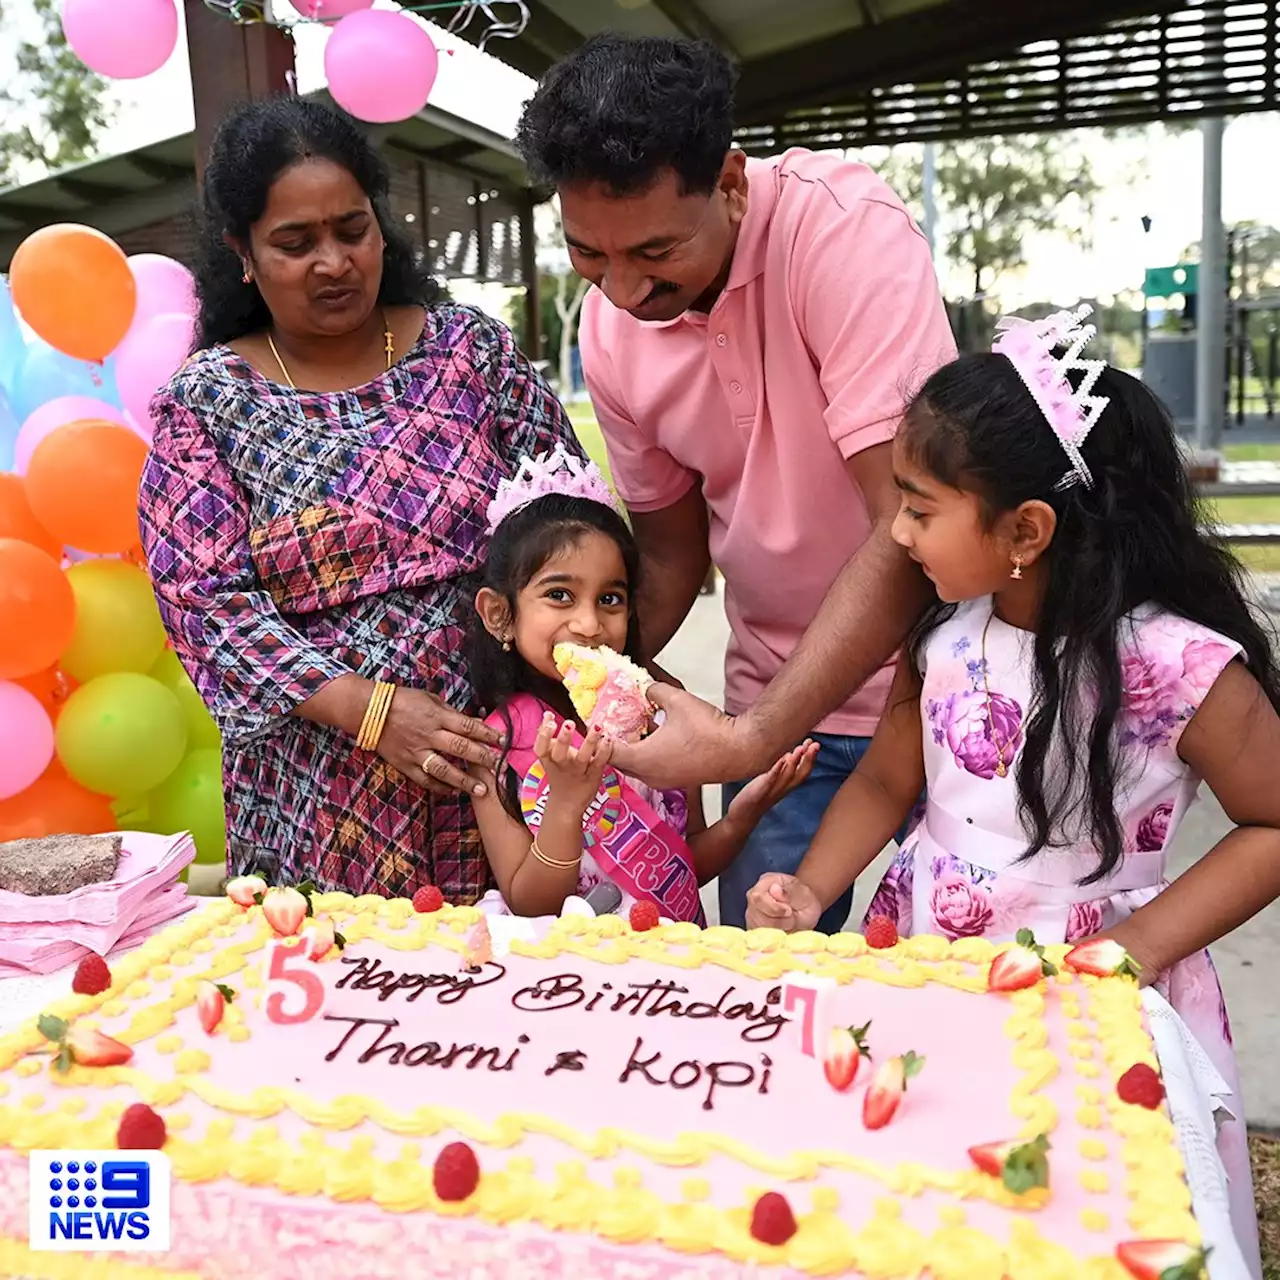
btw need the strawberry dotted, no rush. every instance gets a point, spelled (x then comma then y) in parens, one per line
(1019, 966)
(428, 899)
(212, 999)
(881, 932)
(846, 1047)
(285, 910)
(886, 1089)
(1019, 1165)
(1102, 957)
(477, 949)
(324, 938)
(1141, 1085)
(457, 1172)
(141, 1129)
(92, 976)
(644, 916)
(246, 891)
(81, 1046)
(772, 1221)
(1162, 1259)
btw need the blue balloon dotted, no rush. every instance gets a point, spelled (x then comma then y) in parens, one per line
(9, 425)
(46, 373)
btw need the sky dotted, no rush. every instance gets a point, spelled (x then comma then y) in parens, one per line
(1157, 174)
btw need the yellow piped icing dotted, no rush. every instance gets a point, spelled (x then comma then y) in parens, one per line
(1094, 1220)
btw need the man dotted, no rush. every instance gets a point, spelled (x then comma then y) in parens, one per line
(756, 329)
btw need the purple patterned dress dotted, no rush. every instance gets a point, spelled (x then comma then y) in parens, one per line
(959, 874)
(296, 536)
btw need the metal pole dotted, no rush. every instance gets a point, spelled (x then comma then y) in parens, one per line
(930, 208)
(1211, 317)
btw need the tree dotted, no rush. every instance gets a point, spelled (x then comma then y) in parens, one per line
(54, 107)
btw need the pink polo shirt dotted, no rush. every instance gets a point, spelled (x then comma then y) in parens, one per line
(830, 320)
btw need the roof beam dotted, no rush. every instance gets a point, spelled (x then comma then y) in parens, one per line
(689, 19)
(926, 43)
(92, 192)
(160, 170)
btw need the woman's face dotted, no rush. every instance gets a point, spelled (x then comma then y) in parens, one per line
(316, 252)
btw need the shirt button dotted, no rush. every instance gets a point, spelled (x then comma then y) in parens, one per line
(721, 340)
(736, 388)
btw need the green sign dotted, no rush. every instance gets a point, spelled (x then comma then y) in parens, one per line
(1164, 282)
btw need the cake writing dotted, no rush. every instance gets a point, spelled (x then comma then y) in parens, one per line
(369, 974)
(428, 1053)
(689, 1072)
(652, 999)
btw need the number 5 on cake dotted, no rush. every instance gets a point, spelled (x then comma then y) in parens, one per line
(294, 990)
(809, 997)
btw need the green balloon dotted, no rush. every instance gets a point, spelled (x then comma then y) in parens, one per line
(121, 734)
(201, 729)
(190, 799)
(118, 625)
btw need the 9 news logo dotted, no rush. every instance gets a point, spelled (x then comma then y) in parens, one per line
(99, 1201)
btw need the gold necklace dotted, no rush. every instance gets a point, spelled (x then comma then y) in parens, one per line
(1001, 770)
(386, 333)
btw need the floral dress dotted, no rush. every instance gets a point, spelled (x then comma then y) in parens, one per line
(958, 873)
(297, 536)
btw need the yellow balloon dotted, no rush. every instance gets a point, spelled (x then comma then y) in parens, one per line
(201, 729)
(118, 625)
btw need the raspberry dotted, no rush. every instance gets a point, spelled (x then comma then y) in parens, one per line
(644, 916)
(92, 976)
(141, 1129)
(881, 932)
(772, 1221)
(457, 1172)
(428, 898)
(1141, 1086)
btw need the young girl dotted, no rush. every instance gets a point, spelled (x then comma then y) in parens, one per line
(562, 567)
(1090, 659)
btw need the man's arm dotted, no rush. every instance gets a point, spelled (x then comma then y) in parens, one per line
(675, 557)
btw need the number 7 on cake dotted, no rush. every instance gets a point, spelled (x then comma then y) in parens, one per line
(810, 997)
(294, 990)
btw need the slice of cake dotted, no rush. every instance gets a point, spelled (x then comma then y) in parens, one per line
(601, 1102)
(47, 865)
(606, 689)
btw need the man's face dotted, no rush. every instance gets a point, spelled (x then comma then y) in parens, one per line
(659, 252)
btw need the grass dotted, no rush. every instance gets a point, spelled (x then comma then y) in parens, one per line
(1266, 1185)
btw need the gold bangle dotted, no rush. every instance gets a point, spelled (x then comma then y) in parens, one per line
(555, 863)
(375, 716)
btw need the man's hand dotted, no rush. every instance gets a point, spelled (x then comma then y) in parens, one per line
(696, 743)
(779, 901)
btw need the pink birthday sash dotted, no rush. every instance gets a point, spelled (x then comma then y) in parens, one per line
(640, 851)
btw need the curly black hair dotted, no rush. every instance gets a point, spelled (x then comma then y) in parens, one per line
(254, 144)
(619, 110)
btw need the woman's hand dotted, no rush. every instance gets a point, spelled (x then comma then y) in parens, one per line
(766, 789)
(779, 901)
(423, 737)
(573, 773)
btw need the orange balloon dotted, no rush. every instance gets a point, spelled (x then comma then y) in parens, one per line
(82, 483)
(52, 687)
(17, 520)
(74, 288)
(37, 609)
(55, 806)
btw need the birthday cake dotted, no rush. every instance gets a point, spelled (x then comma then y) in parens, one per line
(607, 690)
(386, 1094)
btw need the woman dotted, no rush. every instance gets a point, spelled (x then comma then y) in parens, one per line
(314, 505)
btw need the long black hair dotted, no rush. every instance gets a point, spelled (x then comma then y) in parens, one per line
(521, 545)
(1135, 536)
(254, 144)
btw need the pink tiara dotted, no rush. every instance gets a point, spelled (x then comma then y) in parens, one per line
(1071, 412)
(557, 472)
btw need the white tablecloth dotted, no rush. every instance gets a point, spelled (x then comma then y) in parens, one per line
(1193, 1086)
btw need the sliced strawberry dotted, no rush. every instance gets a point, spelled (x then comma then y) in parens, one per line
(772, 1221)
(212, 999)
(884, 1094)
(285, 910)
(1102, 957)
(1162, 1259)
(81, 1046)
(324, 939)
(1019, 966)
(1020, 1166)
(846, 1047)
(245, 891)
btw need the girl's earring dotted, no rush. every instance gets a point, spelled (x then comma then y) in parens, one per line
(247, 278)
(1016, 573)
(506, 646)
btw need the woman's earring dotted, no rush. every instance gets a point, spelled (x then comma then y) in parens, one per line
(1016, 573)
(506, 646)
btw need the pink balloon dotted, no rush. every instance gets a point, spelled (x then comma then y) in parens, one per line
(54, 414)
(26, 739)
(380, 65)
(165, 287)
(123, 39)
(329, 10)
(148, 358)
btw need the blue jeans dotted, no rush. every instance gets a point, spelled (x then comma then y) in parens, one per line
(787, 830)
